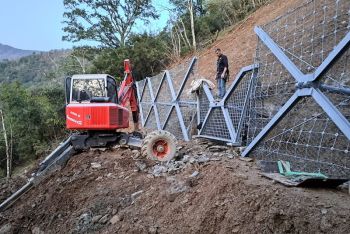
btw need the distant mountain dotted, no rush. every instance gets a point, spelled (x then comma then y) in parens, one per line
(11, 53)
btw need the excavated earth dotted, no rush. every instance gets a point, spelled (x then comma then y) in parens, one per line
(208, 189)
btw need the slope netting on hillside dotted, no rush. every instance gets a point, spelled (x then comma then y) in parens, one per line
(309, 140)
(226, 120)
(299, 107)
(165, 102)
(310, 32)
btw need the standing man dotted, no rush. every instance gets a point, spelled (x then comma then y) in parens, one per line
(222, 73)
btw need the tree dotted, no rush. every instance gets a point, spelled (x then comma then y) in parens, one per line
(189, 6)
(7, 147)
(108, 22)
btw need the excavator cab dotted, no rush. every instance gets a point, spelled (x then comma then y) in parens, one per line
(92, 103)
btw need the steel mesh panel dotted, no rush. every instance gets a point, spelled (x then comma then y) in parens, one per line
(272, 87)
(309, 33)
(203, 105)
(155, 81)
(335, 84)
(309, 140)
(173, 125)
(164, 93)
(140, 86)
(163, 113)
(188, 111)
(178, 73)
(215, 126)
(146, 107)
(186, 95)
(151, 121)
(146, 96)
(236, 100)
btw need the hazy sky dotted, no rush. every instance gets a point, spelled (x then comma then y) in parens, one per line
(36, 24)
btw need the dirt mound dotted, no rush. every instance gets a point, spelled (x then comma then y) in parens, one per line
(211, 192)
(207, 190)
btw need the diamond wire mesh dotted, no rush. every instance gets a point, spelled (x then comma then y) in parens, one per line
(178, 73)
(305, 136)
(339, 77)
(203, 105)
(308, 139)
(165, 102)
(151, 121)
(272, 88)
(236, 102)
(309, 33)
(173, 125)
(146, 99)
(216, 126)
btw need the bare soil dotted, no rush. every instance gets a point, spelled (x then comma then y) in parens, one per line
(218, 195)
(115, 191)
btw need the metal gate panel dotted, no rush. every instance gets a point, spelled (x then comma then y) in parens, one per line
(173, 109)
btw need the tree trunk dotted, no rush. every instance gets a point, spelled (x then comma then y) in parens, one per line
(8, 157)
(122, 40)
(184, 28)
(190, 8)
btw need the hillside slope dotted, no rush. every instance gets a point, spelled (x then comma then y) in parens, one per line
(208, 190)
(11, 53)
(239, 43)
(205, 192)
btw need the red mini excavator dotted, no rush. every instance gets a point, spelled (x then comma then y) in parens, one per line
(97, 112)
(94, 106)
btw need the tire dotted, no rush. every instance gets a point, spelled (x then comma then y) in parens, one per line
(159, 145)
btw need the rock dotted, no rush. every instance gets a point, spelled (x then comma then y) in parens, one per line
(217, 148)
(245, 159)
(202, 159)
(323, 211)
(136, 195)
(325, 225)
(104, 219)
(95, 165)
(96, 218)
(6, 228)
(135, 153)
(84, 221)
(153, 230)
(194, 174)
(115, 219)
(36, 230)
(185, 158)
(215, 159)
(140, 165)
(158, 170)
(192, 160)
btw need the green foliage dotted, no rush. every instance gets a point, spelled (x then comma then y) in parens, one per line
(106, 22)
(39, 69)
(34, 117)
(146, 52)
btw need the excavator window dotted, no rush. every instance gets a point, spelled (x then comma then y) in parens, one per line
(84, 90)
(112, 90)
